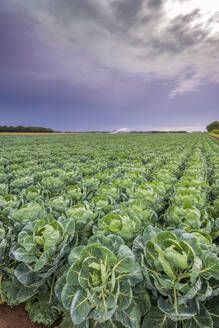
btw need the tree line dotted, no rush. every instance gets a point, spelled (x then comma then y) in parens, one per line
(213, 126)
(20, 128)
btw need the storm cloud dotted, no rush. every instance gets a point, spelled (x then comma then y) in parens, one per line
(107, 53)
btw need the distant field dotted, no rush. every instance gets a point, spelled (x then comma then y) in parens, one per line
(123, 227)
(37, 133)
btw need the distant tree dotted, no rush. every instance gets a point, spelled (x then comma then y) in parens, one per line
(21, 128)
(213, 126)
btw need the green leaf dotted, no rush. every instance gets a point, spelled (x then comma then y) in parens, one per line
(26, 241)
(109, 301)
(43, 259)
(84, 324)
(157, 319)
(107, 324)
(196, 268)
(101, 314)
(125, 296)
(101, 239)
(176, 312)
(25, 276)
(22, 255)
(67, 295)
(48, 233)
(214, 285)
(59, 286)
(201, 320)
(138, 247)
(80, 307)
(205, 291)
(213, 310)
(67, 322)
(98, 252)
(42, 311)
(130, 317)
(73, 274)
(192, 292)
(75, 254)
(117, 241)
(142, 298)
(126, 260)
(150, 232)
(14, 293)
(51, 237)
(211, 265)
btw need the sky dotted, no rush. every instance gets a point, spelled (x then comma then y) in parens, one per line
(87, 65)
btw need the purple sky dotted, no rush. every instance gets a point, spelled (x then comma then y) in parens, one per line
(108, 64)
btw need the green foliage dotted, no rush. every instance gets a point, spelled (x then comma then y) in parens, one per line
(124, 226)
(215, 132)
(99, 282)
(28, 212)
(20, 128)
(178, 265)
(213, 126)
(111, 231)
(40, 248)
(43, 310)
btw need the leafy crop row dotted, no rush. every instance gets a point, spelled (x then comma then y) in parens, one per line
(111, 230)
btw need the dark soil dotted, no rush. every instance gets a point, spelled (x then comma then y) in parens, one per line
(17, 318)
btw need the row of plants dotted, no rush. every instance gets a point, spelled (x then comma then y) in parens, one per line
(211, 150)
(190, 214)
(110, 230)
(189, 201)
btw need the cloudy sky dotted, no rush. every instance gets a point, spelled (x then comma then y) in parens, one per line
(105, 64)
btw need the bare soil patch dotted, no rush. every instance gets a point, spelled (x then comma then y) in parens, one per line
(17, 318)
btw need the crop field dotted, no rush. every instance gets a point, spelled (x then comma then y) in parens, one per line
(111, 230)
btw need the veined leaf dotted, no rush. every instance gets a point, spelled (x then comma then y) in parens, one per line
(201, 320)
(80, 307)
(175, 311)
(157, 319)
(130, 317)
(25, 276)
(125, 296)
(213, 310)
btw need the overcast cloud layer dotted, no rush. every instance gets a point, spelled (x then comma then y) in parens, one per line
(107, 63)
